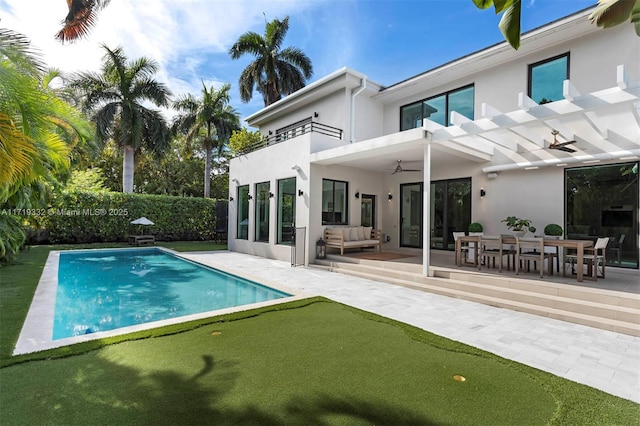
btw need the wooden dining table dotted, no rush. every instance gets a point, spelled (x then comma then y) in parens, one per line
(578, 245)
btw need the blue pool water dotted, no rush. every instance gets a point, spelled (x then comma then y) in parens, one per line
(108, 289)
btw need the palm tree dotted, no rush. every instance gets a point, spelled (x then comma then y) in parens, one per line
(81, 17)
(209, 120)
(115, 99)
(38, 130)
(274, 72)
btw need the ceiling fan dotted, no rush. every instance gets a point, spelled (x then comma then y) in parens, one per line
(562, 146)
(399, 169)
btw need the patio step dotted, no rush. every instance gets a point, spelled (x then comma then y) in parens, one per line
(605, 309)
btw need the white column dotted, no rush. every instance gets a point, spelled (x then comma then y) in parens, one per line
(426, 205)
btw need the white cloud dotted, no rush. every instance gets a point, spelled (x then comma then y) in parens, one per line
(181, 35)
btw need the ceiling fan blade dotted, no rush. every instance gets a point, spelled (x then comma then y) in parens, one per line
(565, 143)
(411, 170)
(565, 149)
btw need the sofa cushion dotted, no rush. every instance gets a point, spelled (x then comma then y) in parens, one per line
(367, 232)
(353, 231)
(346, 234)
(360, 231)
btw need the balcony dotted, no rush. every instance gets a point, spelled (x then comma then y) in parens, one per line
(294, 130)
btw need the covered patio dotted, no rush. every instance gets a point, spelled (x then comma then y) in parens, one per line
(600, 127)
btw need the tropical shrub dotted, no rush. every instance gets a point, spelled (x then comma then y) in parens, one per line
(84, 217)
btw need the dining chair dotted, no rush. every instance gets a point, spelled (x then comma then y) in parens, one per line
(532, 250)
(616, 248)
(490, 248)
(464, 247)
(594, 257)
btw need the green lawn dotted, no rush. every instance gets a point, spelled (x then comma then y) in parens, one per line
(308, 362)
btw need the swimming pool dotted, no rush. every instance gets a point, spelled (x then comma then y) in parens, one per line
(109, 289)
(146, 276)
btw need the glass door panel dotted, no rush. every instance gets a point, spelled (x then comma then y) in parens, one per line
(368, 210)
(411, 215)
(450, 211)
(602, 201)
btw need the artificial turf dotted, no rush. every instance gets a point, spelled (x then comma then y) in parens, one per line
(306, 362)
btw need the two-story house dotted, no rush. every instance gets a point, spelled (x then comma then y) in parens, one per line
(550, 133)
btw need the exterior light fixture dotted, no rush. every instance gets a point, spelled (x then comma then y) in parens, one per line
(271, 195)
(357, 195)
(300, 193)
(482, 192)
(321, 249)
(249, 197)
(390, 197)
(315, 114)
(230, 198)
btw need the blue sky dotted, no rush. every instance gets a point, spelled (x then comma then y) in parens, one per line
(389, 40)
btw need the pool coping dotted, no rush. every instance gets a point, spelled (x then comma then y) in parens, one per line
(37, 331)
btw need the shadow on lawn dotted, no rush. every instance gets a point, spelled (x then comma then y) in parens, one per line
(100, 391)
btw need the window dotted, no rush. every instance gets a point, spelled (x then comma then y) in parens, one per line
(438, 108)
(546, 79)
(286, 210)
(243, 212)
(334, 202)
(262, 211)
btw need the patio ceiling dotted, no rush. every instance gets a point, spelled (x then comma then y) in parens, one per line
(604, 124)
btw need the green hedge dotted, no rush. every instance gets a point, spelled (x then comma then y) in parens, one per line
(84, 217)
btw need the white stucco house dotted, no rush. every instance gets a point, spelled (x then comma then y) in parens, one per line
(479, 130)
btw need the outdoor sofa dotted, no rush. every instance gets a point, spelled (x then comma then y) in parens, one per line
(353, 237)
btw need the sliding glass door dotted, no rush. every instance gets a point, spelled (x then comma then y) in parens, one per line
(450, 211)
(411, 215)
(602, 201)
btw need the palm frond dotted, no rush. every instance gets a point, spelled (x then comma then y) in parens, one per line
(80, 19)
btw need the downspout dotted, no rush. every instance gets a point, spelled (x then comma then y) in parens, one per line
(352, 122)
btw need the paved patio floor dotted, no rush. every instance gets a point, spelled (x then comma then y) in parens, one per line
(602, 359)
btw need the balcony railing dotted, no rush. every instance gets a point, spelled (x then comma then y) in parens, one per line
(293, 131)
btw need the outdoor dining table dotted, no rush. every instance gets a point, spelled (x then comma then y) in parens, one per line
(578, 245)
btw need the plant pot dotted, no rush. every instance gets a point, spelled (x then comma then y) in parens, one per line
(518, 233)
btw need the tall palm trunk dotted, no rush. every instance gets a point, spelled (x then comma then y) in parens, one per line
(207, 172)
(127, 169)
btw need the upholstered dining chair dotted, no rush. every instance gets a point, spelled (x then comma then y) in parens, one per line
(594, 257)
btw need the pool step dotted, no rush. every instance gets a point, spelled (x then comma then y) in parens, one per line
(605, 309)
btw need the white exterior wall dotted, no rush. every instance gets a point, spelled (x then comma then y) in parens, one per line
(270, 165)
(332, 110)
(592, 67)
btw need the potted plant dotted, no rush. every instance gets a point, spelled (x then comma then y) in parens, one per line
(475, 229)
(553, 230)
(518, 225)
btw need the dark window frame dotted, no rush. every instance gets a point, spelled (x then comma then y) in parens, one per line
(257, 220)
(446, 95)
(530, 68)
(345, 217)
(242, 202)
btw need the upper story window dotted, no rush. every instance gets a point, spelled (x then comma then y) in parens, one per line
(334, 202)
(438, 108)
(546, 79)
